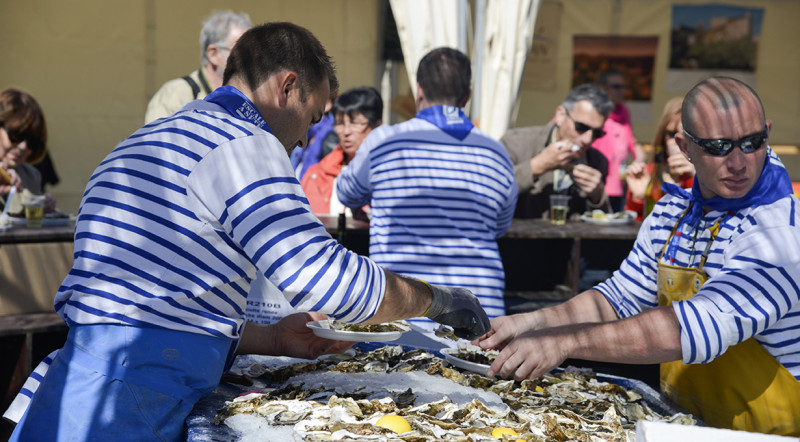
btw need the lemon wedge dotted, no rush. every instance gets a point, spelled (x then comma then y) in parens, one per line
(394, 423)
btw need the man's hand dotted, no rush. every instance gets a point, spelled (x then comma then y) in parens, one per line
(589, 180)
(460, 309)
(531, 355)
(289, 337)
(506, 328)
(557, 155)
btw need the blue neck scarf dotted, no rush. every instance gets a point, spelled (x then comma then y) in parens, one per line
(772, 185)
(238, 105)
(449, 119)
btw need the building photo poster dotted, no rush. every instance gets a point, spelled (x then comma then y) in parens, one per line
(714, 39)
(634, 56)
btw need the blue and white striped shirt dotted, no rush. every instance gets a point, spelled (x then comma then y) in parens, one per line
(179, 217)
(753, 288)
(439, 203)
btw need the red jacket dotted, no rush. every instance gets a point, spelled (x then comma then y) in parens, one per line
(317, 182)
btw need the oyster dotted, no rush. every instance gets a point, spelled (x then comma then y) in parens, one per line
(369, 328)
(568, 405)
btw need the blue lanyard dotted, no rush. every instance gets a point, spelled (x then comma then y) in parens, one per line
(238, 105)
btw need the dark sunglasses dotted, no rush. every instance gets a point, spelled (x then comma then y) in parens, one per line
(582, 128)
(722, 147)
(13, 136)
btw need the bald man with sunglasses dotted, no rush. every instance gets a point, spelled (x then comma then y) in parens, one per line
(711, 289)
(559, 158)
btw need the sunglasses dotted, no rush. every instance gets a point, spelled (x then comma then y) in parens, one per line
(582, 128)
(722, 147)
(13, 136)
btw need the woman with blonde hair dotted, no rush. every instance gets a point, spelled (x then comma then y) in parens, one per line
(675, 167)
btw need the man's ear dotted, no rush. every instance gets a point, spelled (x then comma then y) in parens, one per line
(288, 83)
(420, 96)
(559, 116)
(681, 141)
(212, 54)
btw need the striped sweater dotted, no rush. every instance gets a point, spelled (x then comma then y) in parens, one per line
(179, 217)
(753, 288)
(439, 203)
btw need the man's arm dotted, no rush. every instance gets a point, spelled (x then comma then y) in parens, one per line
(589, 306)
(650, 337)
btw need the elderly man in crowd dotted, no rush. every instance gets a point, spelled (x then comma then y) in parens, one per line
(441, 191)
(217, 37)
(559, 158)
(710, 289)
(173, 226)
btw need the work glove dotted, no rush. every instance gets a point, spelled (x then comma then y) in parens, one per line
(458, 308)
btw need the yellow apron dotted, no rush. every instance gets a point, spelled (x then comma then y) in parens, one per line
(745, 388)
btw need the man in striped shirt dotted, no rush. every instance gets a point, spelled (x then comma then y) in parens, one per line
(173, 226)
(711, 289)
(441, 191)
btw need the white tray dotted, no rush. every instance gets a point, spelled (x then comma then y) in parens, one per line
(324, 330)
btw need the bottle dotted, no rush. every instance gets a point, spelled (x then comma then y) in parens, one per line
(653, 193)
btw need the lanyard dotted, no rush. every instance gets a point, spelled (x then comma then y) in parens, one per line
(671, 247)
(238, 105)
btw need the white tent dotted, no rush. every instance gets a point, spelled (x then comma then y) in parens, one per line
(503, 36)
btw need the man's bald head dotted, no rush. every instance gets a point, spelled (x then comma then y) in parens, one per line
(719, 95)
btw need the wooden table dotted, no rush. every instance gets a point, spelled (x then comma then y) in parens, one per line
(23, 235)
(576, 231)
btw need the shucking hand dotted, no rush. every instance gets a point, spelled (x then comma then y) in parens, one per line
(531, 354)
(504, 329)
(458, 308)
(289, 337)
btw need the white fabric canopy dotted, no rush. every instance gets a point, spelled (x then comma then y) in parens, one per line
(424, 25)
(504, 47)
(504, 33)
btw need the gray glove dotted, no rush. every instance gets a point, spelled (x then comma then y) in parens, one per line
(458, 308)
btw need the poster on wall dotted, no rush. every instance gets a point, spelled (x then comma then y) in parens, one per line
(540, 66)
(633, 56)
(712, 40)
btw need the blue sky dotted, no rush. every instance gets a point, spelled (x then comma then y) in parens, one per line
(693, 15)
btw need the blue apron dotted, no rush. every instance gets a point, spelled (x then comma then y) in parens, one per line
(115, 382)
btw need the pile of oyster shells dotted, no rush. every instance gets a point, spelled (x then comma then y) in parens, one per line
(569, 405)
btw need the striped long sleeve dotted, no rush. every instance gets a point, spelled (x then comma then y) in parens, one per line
(177, 220)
